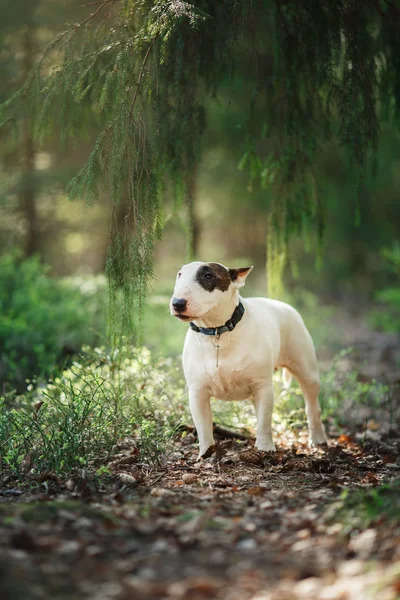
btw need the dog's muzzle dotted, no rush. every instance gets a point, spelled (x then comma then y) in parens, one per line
(179, 305)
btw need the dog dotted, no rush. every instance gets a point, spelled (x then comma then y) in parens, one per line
(233, 346)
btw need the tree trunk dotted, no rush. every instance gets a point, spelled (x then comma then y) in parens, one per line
(194, 225)
(28, 184)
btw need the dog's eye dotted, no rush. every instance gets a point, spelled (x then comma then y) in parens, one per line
(179, 274)
(208, 275)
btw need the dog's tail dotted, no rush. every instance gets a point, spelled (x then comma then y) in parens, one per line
(286, 378)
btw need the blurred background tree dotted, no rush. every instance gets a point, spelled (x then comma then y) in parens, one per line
(228, 127)
(33, 176)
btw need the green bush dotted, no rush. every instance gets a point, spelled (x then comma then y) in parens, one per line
(102, 399)
(42, 320)
(387, 318)
(358, 509)
(342, 393)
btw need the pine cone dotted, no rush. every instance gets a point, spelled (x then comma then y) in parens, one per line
(252, 456)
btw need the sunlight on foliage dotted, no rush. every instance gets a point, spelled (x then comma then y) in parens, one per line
(77, 419)
(43, 319)
(341, 391)
(104, 398)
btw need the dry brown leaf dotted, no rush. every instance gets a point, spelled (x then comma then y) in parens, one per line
(255, 491)
(36, 409)
(195, 585)
(344, 439)
(189, 478)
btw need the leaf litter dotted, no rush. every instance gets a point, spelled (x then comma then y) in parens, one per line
(238, 525)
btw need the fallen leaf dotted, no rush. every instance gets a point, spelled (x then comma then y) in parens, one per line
(255, 491)
(344, 439)
(189, 478)
(370, 478)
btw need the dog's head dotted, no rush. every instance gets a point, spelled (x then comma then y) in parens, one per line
(200, 287)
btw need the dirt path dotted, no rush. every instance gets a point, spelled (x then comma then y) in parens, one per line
(236, 526)
(216, 529)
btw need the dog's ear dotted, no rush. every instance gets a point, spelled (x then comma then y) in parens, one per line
(238, 276)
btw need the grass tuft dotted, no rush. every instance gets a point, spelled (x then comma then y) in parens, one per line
(77, 419)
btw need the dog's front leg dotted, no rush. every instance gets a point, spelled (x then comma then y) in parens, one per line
(264, 404)
(200, 407)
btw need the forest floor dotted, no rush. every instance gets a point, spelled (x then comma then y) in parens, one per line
(297, 524)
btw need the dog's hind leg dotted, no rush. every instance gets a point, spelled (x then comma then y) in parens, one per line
(200, 407)
(310, 387)
(264, 404)
(302, 363)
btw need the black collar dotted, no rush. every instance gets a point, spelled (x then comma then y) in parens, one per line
(229, 325)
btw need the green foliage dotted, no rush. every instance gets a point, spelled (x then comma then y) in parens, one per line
(127, 397)
(359, 509)
(143, 74)
(392, 257)
(341, 391)
(388, 318)
(342, 387)
(42, 320)
(77, 419)
(162, 333)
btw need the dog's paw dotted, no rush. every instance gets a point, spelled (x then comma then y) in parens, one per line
(207, 452)
(318, 439)
(265, 446)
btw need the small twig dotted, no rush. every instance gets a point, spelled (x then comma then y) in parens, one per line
(95, 3)
(62, 34)
(142, 71)
(219, 430)
(228, 433)
(157, 478)
(95, 13)
(365, 431)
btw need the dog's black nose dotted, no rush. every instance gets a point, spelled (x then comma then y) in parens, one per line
(179, 304)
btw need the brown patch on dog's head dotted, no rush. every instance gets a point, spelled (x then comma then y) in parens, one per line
(212, 276)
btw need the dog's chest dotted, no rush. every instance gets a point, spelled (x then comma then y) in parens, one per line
(229, 372)
(230, 382)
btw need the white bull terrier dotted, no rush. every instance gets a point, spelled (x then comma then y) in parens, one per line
(233, 346)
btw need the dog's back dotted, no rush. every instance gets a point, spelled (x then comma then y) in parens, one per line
(285, 328)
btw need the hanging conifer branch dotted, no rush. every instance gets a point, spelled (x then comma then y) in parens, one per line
(145, 74)
(141, 72)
